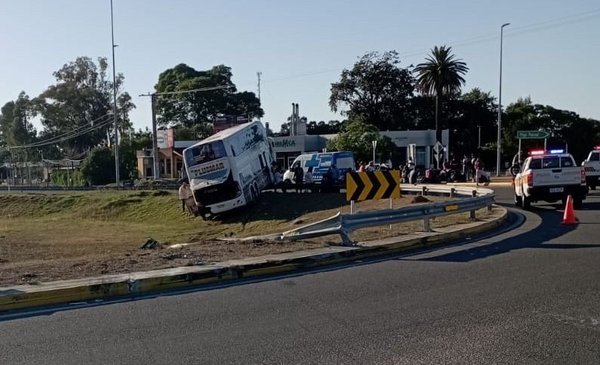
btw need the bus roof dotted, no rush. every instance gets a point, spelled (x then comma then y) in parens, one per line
(227, 132)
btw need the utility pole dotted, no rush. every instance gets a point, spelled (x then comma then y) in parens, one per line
(499, 142)
(155, 160)
(258, 74)
(112, 33)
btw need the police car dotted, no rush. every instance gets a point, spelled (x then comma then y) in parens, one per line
(549, 176)
(591, 166)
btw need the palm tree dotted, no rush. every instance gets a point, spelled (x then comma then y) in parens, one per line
(440, 74)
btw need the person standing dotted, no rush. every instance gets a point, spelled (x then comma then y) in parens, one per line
(477, 165)
(299, 177)
(308, 179)
(466, 167)
(371, 166)
(361, 166)
(185, 193)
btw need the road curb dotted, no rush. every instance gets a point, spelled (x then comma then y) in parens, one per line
(136, 284)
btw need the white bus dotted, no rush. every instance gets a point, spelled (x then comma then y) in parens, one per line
(229, 169)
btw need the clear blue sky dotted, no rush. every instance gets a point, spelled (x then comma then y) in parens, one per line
(551, 48)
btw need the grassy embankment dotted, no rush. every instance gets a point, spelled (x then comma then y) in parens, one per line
(40, 227)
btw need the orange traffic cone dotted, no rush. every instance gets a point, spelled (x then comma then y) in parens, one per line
(569, 215)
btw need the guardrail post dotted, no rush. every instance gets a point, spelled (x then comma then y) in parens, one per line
(426, 225)
(346, 240)
(452, 191)
(472, 212)
(424, 191)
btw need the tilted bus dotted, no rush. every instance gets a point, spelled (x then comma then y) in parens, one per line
(229, 169)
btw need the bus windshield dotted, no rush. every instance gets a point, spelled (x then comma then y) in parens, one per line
(204, 153)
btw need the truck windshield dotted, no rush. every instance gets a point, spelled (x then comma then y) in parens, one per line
(204, 153)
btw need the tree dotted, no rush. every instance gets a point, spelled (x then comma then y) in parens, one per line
(130, 144)
(318, 128)
(15, 126)
(567, 129)
(80, 106)
(189, 98)
(358, 136)
(468, 114)
(98, 168)
(15, 121)
(441, 74)
(377, 89)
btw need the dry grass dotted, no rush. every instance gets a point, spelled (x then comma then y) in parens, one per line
(67, 235)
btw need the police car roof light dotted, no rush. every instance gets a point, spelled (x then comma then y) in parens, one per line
(536, 152)
(597, 148)
(557, 150)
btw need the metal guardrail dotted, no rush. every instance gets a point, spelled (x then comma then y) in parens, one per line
(469, 200)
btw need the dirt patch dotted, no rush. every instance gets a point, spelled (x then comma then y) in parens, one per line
(67, 236)
(36, 271)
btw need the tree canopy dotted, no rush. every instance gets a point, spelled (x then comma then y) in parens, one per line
(79, 106)
(440, 74)
(190, 98)
(377, 89)
(567, 129)
(358, 136)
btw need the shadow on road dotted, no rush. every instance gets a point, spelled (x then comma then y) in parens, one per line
(550, 228)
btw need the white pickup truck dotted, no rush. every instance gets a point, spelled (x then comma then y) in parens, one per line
(591, 165)
(549, 176)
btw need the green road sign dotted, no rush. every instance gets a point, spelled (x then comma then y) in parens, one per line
(532, 134)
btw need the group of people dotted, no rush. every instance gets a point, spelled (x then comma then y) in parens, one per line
(302, 180)
(371, 167)
(473, 168)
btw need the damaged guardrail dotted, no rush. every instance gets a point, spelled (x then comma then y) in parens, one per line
(343, 224)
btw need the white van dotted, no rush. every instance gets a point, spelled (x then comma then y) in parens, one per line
(321, 162)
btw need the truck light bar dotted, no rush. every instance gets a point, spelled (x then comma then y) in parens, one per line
(536, 152)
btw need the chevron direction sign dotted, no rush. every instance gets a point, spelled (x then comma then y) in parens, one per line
(372, 185)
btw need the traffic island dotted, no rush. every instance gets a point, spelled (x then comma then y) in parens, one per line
(143, 283)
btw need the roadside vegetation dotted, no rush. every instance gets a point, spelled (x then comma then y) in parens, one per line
(67, 235)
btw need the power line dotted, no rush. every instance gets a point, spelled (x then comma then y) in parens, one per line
(67, 135)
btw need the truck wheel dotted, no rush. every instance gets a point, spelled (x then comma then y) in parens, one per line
(577, 203)
(526, 203)
(518, 201)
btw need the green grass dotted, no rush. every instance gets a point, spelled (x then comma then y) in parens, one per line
(71, 224)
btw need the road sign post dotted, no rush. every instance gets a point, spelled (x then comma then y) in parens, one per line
(531, 135)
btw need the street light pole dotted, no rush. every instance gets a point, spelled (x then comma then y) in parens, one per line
(499, 142)
(478, 136)
(155, 160)
(112, 34)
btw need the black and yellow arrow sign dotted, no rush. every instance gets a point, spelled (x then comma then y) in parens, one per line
(372, 185)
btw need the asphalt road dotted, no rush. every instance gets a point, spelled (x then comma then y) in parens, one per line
(530, 295)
